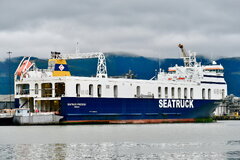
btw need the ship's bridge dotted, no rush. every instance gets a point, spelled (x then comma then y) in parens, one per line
(213, 69)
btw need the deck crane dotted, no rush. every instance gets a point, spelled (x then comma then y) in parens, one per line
(101, 67)
(184, 53)
(189, 59)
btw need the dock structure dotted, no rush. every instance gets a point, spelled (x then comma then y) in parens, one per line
(229, 108)
(10, 115)
(6, 109)
(25, 117)
(7, 101)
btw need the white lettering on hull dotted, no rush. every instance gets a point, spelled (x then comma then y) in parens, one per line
(164, 103)
(76, 105)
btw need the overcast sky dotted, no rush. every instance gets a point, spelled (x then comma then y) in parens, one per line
(151, 28)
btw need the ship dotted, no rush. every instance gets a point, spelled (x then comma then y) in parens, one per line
(187, 93)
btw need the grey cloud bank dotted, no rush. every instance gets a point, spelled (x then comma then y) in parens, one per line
(149, 28)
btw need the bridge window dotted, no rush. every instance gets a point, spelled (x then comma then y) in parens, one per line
(209, 93)
(90, 90)
(203, 94)
(191, 93)
(179, 93)
(78, 90)
(99, 90)
(115, 91)
(185, 93)
(219, 70)
(173, 90)
(159, 92)
(46, 89)
(166, 92)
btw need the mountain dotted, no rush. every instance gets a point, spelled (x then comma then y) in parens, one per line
(144, 68)
(232, 74)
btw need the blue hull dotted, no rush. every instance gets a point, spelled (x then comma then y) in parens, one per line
(134, 110)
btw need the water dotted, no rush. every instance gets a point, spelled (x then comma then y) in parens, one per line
(219, 140)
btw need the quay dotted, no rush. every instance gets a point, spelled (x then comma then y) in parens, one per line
(6, 109)
(10, 114)
(226, 117)
(228, 109)
(25, 117)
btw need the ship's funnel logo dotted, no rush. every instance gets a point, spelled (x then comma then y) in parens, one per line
(61, 67)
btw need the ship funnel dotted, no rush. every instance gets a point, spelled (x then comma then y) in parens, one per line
(57, 65)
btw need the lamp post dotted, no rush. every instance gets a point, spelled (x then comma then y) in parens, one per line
(9, 74)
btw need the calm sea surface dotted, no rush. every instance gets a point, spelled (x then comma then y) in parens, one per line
(219, 140)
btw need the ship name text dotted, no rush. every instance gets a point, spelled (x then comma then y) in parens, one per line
(172, 103)
(77, 105)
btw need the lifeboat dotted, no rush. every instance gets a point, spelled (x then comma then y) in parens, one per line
(181, 78)
(171, 69)
(25, 66)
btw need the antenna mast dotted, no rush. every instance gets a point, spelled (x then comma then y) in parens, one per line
(77, 48)
(9, 74)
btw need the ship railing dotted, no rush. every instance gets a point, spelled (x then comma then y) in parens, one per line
(42, 70)
(43, 113)
(23, 92)
(60, 95)
(4, 113)
(46, 95)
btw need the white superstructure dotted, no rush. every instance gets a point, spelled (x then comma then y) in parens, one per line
(42, 90)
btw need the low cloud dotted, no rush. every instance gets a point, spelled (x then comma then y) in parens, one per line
(148, 28)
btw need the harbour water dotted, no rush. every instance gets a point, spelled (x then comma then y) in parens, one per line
(220, 140)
